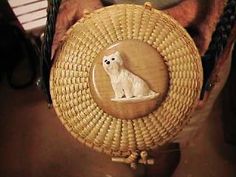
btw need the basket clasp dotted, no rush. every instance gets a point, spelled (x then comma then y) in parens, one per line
(134, 158)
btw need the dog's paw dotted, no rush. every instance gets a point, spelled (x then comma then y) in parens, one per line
(118, 96)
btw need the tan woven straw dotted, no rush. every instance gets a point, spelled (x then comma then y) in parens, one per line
(71, 92)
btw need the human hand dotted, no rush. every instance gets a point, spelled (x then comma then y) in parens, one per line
(69, 12)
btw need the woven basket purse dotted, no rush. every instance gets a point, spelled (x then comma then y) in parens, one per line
(125, 80)
(71, 83)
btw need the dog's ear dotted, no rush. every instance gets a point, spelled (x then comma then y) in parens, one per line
(119, 58)
(117, 53)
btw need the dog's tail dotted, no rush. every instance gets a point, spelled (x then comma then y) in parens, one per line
(153, 94)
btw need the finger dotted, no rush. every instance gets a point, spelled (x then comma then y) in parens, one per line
(65, 19)
(88, 5)
(185, 12)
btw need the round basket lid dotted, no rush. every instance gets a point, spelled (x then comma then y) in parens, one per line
(125, 79)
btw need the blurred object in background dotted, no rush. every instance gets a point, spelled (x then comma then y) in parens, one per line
(30, 13)
(158, 4)
(19, 45)
(229, 104)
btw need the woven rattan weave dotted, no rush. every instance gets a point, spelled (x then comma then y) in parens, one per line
(71, 93)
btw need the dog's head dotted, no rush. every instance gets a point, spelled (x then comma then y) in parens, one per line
(112, 63)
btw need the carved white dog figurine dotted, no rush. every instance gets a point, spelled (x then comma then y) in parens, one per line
(124, 83)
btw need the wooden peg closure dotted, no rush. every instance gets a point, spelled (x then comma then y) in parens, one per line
(135, 158)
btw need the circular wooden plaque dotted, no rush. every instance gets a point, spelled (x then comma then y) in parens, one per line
(142, 60)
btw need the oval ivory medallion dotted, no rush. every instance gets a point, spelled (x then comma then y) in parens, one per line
(129, 79)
